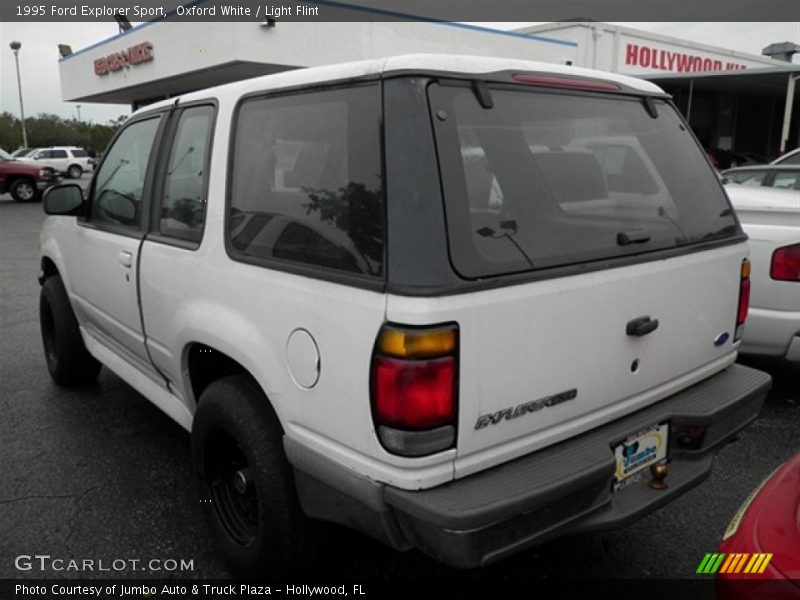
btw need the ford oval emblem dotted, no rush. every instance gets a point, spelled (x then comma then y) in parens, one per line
(721, 339)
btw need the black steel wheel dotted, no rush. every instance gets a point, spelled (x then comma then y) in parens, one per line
(247, 486)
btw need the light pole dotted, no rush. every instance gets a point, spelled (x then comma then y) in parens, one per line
(78, 106)
(15, 46)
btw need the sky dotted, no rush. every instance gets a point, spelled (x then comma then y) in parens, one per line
(42, 90)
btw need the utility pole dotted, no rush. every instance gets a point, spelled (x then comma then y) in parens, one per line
(15, 46)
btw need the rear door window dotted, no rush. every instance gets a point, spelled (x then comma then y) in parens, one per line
(753, 178)
(306, 182)
(547, 179)
(183, 203)
(787, 180)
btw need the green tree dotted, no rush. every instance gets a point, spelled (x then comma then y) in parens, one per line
(52, 130)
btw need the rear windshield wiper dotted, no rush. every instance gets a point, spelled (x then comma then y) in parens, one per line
(510, 230)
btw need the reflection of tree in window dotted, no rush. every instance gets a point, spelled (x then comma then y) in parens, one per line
(302, 244)
(358, 212)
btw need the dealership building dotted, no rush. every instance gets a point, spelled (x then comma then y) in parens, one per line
(733, 100)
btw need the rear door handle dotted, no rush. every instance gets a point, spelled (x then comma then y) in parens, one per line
(641, 326)
(125, 259)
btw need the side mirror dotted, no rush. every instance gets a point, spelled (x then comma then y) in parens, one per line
(65, 200)
(119, 207)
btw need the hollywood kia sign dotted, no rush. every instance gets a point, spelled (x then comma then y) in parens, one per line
(660, 59)
(133, 56)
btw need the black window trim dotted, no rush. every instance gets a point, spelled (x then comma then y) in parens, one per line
(140, 232)
(367, 282)
(154, 226)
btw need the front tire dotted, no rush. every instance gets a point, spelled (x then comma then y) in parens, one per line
(68, 360)
(75, 171)
(246, 482)
(23, 190)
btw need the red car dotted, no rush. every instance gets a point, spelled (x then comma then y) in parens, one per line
(765, 533)
(23, 181)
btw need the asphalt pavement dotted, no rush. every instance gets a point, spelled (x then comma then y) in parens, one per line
(100, 473)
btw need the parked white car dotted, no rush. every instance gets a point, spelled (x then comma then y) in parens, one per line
(69, 160)
(373, 303)
(771, 219)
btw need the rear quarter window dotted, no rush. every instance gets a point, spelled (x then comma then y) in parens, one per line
(306, 181)
(546, 179)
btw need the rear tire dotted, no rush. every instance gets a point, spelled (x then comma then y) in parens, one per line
(68, 360)
(75, 171)
(246, 482)
(23, 190)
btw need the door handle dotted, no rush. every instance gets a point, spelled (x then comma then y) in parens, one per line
(126, 259)
(641, 326)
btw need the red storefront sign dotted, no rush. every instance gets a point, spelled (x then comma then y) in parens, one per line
(678, 62)
(135, 55)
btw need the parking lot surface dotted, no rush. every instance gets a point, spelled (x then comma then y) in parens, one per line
(100, 473)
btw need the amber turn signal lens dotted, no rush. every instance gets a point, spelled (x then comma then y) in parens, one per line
(408, 343)
(745, 269)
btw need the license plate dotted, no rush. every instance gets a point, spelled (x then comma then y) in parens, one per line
(639, 451)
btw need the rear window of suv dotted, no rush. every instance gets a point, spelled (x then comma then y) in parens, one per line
(546, 179)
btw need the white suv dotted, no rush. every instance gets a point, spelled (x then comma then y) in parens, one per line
(63, 159)
(460, 304)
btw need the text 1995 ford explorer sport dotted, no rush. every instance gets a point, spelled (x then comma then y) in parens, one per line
(460, 304)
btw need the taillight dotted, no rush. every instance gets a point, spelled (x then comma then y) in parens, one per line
(414, 375)
(786, 263)
(744, 299)
(566, 82)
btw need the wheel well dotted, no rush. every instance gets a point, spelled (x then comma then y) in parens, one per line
(206, 365)
(15, 178)
(48, 268)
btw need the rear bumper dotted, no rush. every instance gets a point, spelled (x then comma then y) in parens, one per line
(562, 489)
(773, 333)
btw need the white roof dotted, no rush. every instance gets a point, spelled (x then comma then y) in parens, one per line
(462, 64)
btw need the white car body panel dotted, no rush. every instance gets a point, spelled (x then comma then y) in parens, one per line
(502, 365)
(771, 219)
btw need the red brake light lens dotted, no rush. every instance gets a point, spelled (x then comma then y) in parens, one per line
(744, 299)
(786, 264)
(566, 82)
(415, 394)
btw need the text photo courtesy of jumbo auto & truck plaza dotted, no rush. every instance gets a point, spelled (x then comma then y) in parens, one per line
(574, 397)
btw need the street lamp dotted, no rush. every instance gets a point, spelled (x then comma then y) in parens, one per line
(78, 106)
(15, 46)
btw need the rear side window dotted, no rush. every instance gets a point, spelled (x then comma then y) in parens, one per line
(547, 179)
(58, 154)
(306, 183)
(183, 205)
(751, 178)
(788, 180)
(78, 153)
